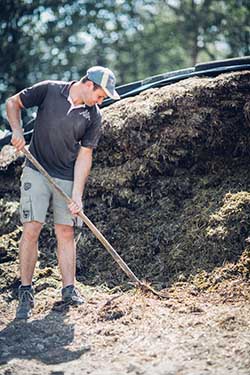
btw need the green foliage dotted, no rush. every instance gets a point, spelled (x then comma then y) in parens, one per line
(48, 39)
(236, 27)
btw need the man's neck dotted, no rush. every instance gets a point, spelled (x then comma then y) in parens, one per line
(74, 94)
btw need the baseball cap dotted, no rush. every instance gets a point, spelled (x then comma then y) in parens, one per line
(105, 78)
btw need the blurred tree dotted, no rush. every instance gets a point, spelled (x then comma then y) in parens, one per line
(236, 27)
(154, 46)
(51, 39)
(179, 33)
(21, 25)
(197, 24)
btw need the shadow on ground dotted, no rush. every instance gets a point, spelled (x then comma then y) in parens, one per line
(46, 339)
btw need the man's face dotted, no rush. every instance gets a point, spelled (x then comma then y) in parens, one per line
(94, 96)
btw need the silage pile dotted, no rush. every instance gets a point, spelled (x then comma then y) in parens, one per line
(169, 187)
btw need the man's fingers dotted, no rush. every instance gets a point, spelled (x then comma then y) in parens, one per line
(74, 208)
(18, 142)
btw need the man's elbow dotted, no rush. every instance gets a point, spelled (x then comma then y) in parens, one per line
(13, 102)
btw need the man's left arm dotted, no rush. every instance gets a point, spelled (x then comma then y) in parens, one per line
(81, 172)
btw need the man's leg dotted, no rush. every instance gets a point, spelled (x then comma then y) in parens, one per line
(66, 253)
(35, 197)
(34, 202)
(66, 247)
(27, 257)
(28, 250)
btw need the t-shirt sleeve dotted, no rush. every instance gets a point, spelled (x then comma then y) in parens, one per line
(93, 133)
(34, 95)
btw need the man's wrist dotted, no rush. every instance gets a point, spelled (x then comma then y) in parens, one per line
(77, 194)
(18, 130)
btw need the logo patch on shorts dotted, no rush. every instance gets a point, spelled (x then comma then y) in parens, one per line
(26, 214)
(27, 186)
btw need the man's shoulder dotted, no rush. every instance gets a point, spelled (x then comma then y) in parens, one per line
(51, 86)
(50, 82)
(56, 84)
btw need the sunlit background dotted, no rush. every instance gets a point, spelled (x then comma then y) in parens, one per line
(49, 39)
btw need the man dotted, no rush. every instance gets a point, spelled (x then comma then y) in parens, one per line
(67, 129)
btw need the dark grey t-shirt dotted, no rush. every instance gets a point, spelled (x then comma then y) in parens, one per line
(60, 128)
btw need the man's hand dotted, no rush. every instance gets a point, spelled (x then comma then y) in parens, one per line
(75, 205)
(17, 139)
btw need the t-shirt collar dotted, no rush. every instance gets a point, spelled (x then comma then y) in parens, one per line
(65, 93)
(66, 88)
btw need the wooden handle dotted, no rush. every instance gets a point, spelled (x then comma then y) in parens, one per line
(85, 219)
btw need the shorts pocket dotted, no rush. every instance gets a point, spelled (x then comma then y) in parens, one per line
(26, 213)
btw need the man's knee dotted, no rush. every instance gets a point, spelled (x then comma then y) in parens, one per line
(31, 231)
(64, 232)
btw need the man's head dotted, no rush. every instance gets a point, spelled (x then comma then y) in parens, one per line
(90, 93)
(103, 78)
(95, 86)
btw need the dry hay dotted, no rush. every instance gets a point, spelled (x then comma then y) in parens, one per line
(8, 155)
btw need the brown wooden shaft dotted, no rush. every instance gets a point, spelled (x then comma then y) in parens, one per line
(85, 219)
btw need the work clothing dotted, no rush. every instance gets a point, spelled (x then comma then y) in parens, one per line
(60, 127)
(72, 296)
(37, 194)
(26, 302)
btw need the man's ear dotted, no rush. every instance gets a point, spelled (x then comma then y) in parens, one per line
(90, 84)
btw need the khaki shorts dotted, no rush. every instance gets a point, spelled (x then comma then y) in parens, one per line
(37, 194)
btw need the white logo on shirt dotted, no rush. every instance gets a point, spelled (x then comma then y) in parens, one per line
(85, 114)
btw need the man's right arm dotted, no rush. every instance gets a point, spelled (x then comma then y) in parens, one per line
(14, 106)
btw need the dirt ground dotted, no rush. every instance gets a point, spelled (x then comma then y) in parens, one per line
(116, 332)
